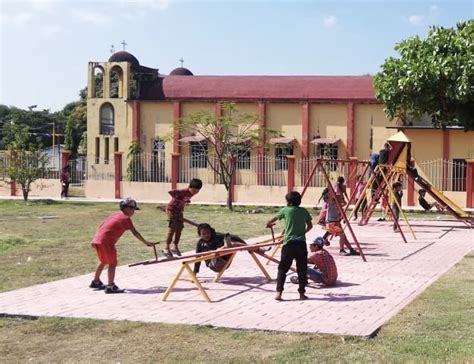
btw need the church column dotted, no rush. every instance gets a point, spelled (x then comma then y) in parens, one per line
(469, 182)
(305, 147)
(261, 107)
(136, 122)
(291, 172)
(176, 148)
(118, 173)
(411, 189)
(445, 158)
(218, 114)
(350, 129)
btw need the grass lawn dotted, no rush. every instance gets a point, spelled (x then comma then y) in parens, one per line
(43, 241)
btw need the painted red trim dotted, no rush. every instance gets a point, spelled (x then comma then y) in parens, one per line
(262, 114)
(469, 183)
(352, 175)
(13, 187)
(176, 120)
(270, 100)
(136, 122)
(291, 172)
(118, 173)
(174, 170)
(305, 130)
(350, 129)
(445, 157)
(305, 145)
(65, 156)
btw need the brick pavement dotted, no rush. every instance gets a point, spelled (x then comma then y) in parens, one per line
(367, 295)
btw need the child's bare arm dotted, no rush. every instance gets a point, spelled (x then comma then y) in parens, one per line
(140, 237)
(271, 222)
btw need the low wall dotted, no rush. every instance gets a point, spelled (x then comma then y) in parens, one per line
(99, 189)
(146, 191)
(39, 188)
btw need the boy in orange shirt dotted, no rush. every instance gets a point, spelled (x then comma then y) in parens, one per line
(105, 238)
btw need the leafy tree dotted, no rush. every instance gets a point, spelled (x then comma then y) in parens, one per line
(27, 162)
(75, 114)
(229, 139)
(135, 170)
(433, 77)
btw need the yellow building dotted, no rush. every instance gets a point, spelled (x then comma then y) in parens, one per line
(335, 115)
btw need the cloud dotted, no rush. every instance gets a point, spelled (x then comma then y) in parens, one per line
(416, 19)
(19, 19)
(90, 17)
(429, 17)
(330, 21)
(148, 4)
(49, 31)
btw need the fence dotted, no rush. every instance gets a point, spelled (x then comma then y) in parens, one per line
(446, 175)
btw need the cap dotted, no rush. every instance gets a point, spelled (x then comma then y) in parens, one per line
(319, 242)
(129, 202)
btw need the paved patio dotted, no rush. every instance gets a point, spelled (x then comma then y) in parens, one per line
(367, 295)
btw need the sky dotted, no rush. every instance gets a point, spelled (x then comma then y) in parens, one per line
(45, 45)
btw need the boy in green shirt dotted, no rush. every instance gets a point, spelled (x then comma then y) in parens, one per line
(297, 224)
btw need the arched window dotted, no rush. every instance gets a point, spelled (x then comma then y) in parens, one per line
(116, 82)
(98, 83)
(107, 119)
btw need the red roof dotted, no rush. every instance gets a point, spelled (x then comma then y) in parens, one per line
(269, 87)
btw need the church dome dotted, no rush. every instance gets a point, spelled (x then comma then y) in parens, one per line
(123, 56)
(181, 71)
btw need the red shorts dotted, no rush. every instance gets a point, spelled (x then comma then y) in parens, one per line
(106, 253)
(334, 228)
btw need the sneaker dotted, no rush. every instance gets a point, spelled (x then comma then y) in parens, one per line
(264, 249)
(167, 254)
(97, 284)
(176, 251)
(113, 289)
(353, 252)
(381, 219)
(294, 279)
(278, 296)
(343, 253)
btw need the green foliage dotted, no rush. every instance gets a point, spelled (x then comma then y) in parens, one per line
(27, 162)
(227, 137)
(135, 168)
(76, 116)
(433, 77)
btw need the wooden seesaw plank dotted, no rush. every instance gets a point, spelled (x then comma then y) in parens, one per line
(215, 253)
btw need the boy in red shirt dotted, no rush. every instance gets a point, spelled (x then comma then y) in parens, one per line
(106, 237)
(175, 209)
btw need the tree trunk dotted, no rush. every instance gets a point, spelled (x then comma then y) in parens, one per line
(229, 199)
(25, 191)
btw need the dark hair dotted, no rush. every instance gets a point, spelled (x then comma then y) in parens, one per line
(293, 198)
(396, 184)
(205, 226)
(422, 190)
(195, 183)
(340, 179)
(324, 194)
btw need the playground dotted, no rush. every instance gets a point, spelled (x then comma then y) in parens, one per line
(396, 266)
(367, 295)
